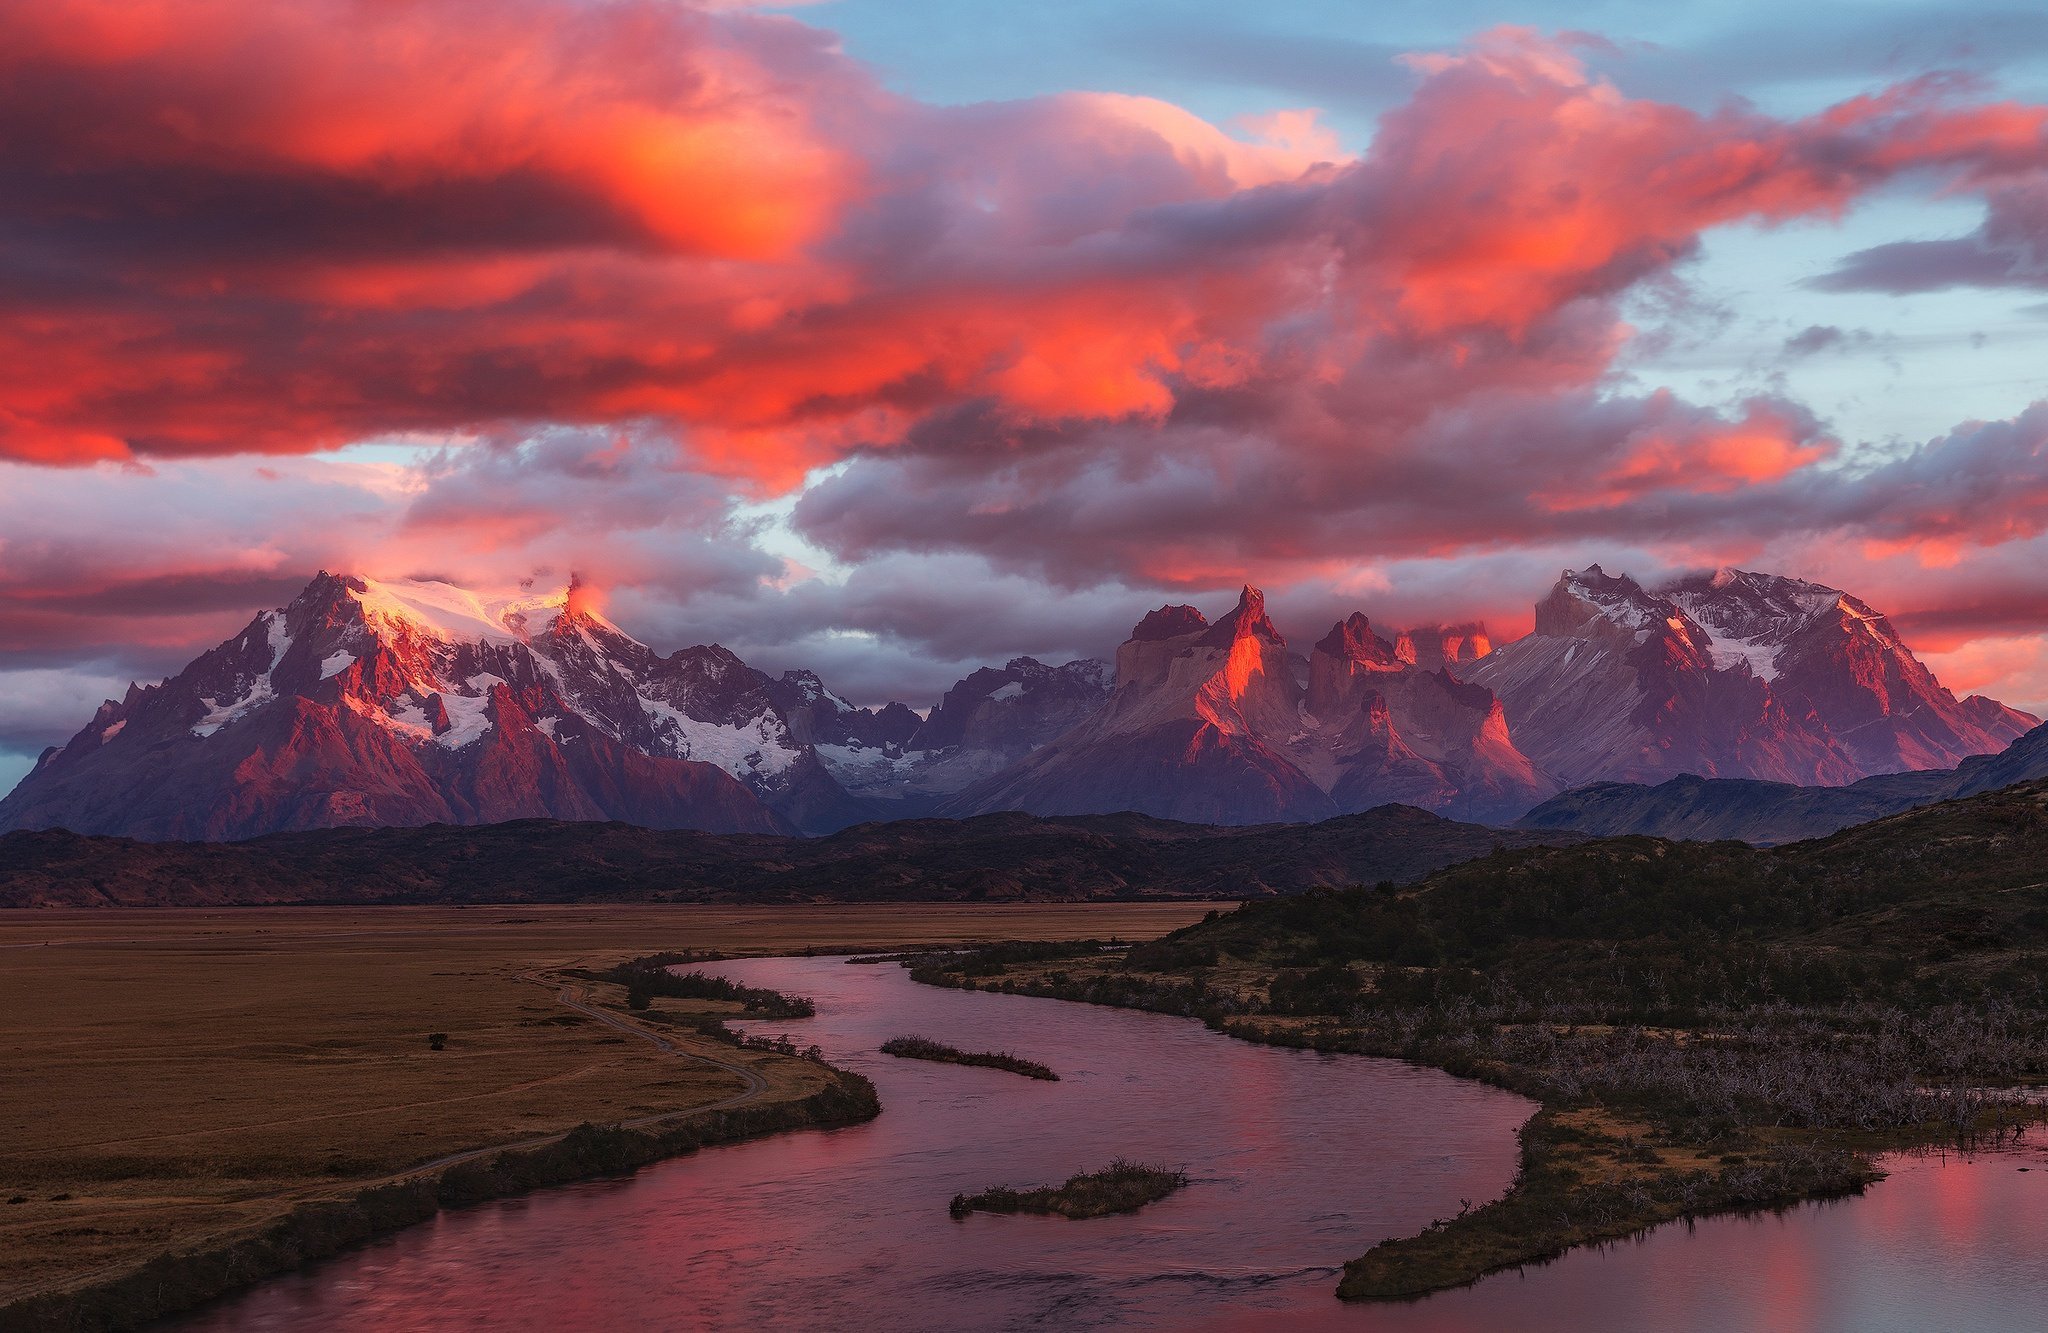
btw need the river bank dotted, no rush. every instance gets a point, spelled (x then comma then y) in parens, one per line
(181, 1082)
(1292, 1158)
(173, 1284)
(1593, 1168)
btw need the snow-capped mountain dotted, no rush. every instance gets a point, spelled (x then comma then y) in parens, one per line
(368, 702)
(988, 721)
(1212, 724)
(407, 702)
(1731, 674)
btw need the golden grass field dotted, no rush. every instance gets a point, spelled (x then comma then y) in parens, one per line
(175, 1076)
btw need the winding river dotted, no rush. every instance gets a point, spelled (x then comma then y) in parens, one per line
(1299, 1161)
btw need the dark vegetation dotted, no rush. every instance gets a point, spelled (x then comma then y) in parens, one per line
(994, 858)
(923, 1048)
(1554, 1206)
(1120, 1187)
(1707, 1026)
(647, 977)
(320, 1230)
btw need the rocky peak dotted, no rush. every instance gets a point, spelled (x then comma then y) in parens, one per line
(1169, 622)
(802, 686)
(1353, 640)
(1764, 608)
(1247, 620)
(1592, 604)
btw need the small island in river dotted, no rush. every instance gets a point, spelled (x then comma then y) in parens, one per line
(1120, 1187)
(1707, 1027)
(924, 1048)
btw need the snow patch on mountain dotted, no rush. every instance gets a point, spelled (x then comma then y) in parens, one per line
(408, 719)
(468, 714)
(1760, 657)
(760, 746)
(258, 692)
(457, 615)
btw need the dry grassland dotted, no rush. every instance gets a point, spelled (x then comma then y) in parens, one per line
(169, 1077)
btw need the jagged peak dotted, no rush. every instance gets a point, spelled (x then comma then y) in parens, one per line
(1580, 597)
(454, 614)
(1170, 622)
(1353, 639)
(1247, 619)
(1433, 646)
(1758, 611)
(1755, 582)
(804, 686)
(1594, 579)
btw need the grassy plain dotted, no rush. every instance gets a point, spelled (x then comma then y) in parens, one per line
(174, 1077)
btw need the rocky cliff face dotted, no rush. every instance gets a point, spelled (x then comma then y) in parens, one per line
(1380, 727)
(1734, 674)
(404, 703)
(1214, 723)
(988, 721)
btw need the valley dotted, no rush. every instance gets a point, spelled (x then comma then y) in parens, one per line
(181, 1079)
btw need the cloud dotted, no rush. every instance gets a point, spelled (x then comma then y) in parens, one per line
(1983, 484)
(1021, 367)
(230, 232)
(2009, 249)
(1817, 338)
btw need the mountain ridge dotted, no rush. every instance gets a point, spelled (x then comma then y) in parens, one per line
(1211, 723)
(1732, 674)
(406, 702)
(998, 858)
(1768, 814)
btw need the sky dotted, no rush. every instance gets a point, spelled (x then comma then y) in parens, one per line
(895, 337)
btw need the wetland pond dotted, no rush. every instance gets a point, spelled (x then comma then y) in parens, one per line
(1298, 1162)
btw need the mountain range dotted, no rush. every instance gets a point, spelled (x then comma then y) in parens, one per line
(1768, 814)
(1734, 675)
(370, 702)
(1219, 723)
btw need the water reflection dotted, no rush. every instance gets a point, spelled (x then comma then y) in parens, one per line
(1948, 1242)
(1300, 1161)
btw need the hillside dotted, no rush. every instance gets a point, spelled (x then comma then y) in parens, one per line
(1949, 900)
(1769, 813)
(1004, 857)
(1709, 1027)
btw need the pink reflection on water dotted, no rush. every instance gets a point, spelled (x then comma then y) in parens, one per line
(1948, 1242)
(1300, 1161)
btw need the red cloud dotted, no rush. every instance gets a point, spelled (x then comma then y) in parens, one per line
(243, 226)
(1087, 337)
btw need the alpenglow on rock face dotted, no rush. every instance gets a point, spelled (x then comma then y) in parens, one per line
(1732, 674)
(1210, 724)
(404, 702)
